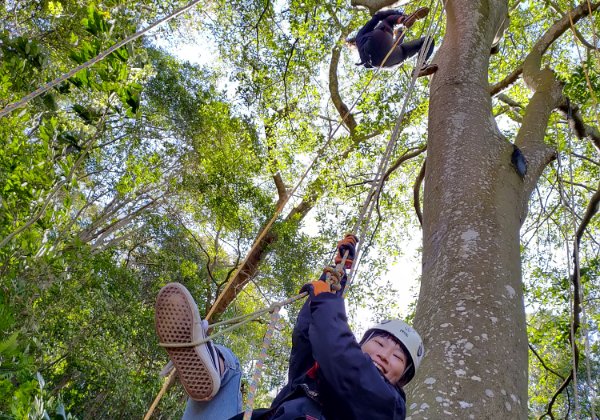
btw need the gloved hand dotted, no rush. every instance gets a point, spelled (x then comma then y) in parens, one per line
(348, 244)
(314, 288)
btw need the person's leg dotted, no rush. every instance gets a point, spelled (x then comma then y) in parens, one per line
(210, 374)
(179, 326)
(405, 50)
(396, 57)
(228, 401)
(411, 48)
(416, 15)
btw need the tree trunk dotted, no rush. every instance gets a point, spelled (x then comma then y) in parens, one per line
(470, 310)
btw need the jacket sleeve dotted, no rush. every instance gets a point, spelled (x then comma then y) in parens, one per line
(377, 17)
(301, 358)
(349, 372)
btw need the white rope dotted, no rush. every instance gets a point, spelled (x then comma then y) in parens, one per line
(584, 326)
(236, 322)
(46, 87)
(256, 376)
(382, 165)
(363, 222)
(577, 277)
(571, 300)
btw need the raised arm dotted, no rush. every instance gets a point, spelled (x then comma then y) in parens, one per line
(377, 17)
(301, 355)
(350, 374)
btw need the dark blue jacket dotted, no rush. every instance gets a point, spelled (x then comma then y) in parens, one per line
(345, 385)
(379, 29)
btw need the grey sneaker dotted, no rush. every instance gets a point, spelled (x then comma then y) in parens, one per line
(178, 321)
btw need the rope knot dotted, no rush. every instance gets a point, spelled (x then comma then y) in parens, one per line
(333, 276)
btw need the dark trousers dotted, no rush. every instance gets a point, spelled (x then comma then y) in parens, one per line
(379, 44)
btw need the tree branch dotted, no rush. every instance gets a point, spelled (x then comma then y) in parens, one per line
(544, 363)
(547, 96)
(373, 5)
(334, 89)
(417, 192)
(590, 212)
(403, 158)
(551, 35)
(59, 184)
(579, 127)
(562, 387)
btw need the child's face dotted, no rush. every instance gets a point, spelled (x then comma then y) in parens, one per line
(388, 357)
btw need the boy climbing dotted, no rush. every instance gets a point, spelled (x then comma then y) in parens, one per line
(331, 375)
(376, 38)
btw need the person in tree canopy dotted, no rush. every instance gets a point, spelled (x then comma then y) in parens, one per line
(331, 375)
(376, 38)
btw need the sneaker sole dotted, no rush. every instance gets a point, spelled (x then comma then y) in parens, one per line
(175, 316)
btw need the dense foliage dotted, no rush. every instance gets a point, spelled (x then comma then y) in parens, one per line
(145, 169)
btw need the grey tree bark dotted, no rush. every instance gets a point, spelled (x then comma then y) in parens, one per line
(470, 310)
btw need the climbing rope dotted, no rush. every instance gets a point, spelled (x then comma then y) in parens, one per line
(576, 297)
(260, 363)
(46, 87)
(330, 275)
(362, 224)
(237, 322)
(308, 169)
(577, 274)
(333, 277)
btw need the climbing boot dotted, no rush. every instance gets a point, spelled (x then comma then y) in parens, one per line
(427, 70)
(416, 15)
(178, 323)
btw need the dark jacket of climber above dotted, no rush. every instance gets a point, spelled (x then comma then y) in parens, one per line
(331, 375)
(376, 39)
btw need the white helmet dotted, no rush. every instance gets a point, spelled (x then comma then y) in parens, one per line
(409, 338)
